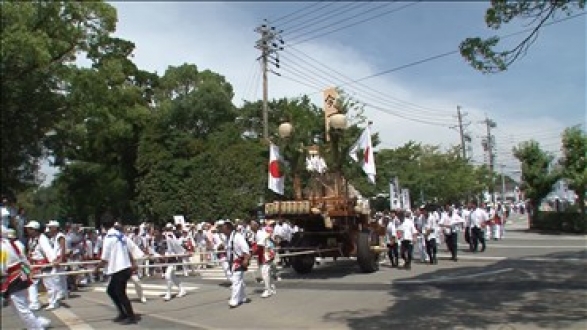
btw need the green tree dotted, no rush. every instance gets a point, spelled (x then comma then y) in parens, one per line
(537, 177)
(574, 165)
(40, 41)
(482, 53)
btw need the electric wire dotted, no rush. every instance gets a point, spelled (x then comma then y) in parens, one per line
(295, 13)
(354, 24)
(311, 23)
(322, 24)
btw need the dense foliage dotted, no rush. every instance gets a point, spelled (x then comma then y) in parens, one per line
(141, 145)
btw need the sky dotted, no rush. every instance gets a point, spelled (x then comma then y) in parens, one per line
(540, 95)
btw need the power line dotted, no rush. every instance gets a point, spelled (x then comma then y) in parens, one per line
(297, 12)
(442, 55)
(310, 23)
(355, 23)
(374, 95)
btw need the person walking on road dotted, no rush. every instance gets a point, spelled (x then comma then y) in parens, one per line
(15, 271)
(479, 218)
(237, 252)
(117, 257)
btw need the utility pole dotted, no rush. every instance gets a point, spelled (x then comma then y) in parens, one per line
(502, 184)
(464, 136)
(489, 146)
(269, 44)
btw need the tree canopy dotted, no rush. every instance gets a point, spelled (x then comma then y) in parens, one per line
(484, 55)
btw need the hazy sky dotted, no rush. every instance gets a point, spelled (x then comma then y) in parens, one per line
(537, 97)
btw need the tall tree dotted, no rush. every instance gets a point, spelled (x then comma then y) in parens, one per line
(40, 41)
(574, 163)
(482, 53)
(537, 176)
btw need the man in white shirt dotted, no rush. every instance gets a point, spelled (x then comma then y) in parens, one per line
(392, 241)
(431, 232)
(119, 264)
(409, 234)
(479, 218)
(238, 254)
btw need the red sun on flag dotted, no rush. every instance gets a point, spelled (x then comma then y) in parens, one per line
(274, 169)
(366, 156)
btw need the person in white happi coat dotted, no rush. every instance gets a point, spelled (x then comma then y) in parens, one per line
(173, 247)
(201, 241)
(15, 272)
(137, 254)
(239, 256)
(42, 257)
(266, 249)
(219, 244)
(59, 243)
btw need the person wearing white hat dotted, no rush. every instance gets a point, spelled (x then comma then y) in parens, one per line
(173, 247)
(43, 258)
(15, 272)
(59, 243)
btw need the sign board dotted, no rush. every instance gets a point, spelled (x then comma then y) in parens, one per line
(330, 96)
(179, 220)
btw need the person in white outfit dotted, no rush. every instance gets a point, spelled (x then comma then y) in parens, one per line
(15, 271)
(59, 243)
(238, 255)
(266, 251)
(43, 258)
(173, 247)
(219, 243)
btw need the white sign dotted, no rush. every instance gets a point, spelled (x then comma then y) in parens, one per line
(179, 220)
(406, 203)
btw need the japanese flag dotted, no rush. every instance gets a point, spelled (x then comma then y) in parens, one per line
(276, 180)
(367, 159)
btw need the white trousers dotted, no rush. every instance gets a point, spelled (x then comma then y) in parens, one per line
(497, 231)
(20, 305)
(138, 285)
(52, 285)
(238, 294)
(171, 279)
(422, 248)
(226, 268)
(266, 276)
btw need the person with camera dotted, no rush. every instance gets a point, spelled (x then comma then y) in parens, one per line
(238, 255)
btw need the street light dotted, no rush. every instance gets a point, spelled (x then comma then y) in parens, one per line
(285, 130)
(338, 121)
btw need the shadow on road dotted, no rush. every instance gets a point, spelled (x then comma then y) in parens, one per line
(547, 294)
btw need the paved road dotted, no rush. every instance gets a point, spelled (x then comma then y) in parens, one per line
(526, 281)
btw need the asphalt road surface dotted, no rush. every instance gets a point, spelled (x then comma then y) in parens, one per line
(525, 281)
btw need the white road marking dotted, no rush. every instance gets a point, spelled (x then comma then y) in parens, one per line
(151, 314)
(503, 246)
(451, 278)
(71, 320)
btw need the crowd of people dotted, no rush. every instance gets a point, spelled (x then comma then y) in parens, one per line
(425, 229)
(49, 250)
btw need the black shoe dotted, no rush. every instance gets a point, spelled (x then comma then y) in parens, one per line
(120, 318)
(130, 320)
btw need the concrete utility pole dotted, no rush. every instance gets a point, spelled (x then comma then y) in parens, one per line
(502, 184)
(489, 146)
(269, 44)
(464, 136)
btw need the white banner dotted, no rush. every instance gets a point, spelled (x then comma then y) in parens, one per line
(394, 200)
(406, 203)
(179, 220)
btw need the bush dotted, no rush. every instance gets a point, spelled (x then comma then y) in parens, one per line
(567, 222)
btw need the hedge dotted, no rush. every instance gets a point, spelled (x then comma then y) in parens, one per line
(566, 222)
